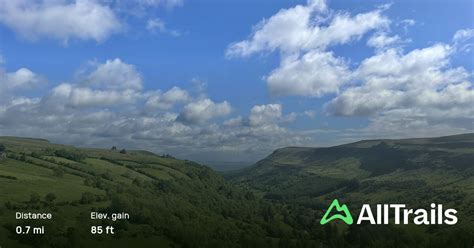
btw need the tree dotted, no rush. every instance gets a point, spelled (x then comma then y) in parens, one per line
(70, 154)
(108, 175)
(35, 198)
(36, 154)
(89, 182)
(2, 148)
(114, 148)
(123, 151)
(87, 198)
(50, 197)
(352, 185)
(58, 172)
(166, 155)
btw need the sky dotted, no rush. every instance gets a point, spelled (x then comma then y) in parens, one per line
(234, 80)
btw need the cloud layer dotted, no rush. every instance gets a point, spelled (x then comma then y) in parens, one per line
(106, 105)
(400, 92)
(303, 34)
(82, 19)
(79, 19)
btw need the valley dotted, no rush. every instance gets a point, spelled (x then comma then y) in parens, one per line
(278, 202)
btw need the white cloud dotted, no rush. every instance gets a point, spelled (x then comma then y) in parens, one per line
(110, 84)
(86, 114)
(141, 9)
(81, 19)
(314, 74)
(95, 20)
(156, 131)
(115, 75)
(303, 34)
(463, 35)
(310, 114)
(203, 110)
(77, 96)
(61, 91)
(234, 122)
(420, 88)
(405, 23)
(16, 82)
(265, 114)
(85, 97)
(156, 24)
(116, 83)
(300, 29)
(176, 94)
(462, 40)
(421, 122)
(391, 79)
(23, 78)
(167, 3)
(168, 99)
(381, 40)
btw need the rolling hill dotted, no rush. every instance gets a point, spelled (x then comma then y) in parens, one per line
(293, 169)
(172, 203)
(416, 172)
(278, 202)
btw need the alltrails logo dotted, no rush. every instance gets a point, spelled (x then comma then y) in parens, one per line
(347, 217)
(401, 215)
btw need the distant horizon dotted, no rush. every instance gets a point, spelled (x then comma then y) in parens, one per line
(213, 163)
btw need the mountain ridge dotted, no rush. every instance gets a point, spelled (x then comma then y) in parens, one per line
(469, 137)
(294, 172)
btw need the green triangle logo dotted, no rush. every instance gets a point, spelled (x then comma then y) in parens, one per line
(346, 217)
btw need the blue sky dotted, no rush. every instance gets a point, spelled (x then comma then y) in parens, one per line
(233, 80)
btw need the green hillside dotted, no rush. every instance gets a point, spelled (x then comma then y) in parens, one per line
(276, 203)
(172, 203)
(416, 172)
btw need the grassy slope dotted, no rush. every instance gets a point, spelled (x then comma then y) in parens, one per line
(412, 171)
(171, 201)
(371, 160)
